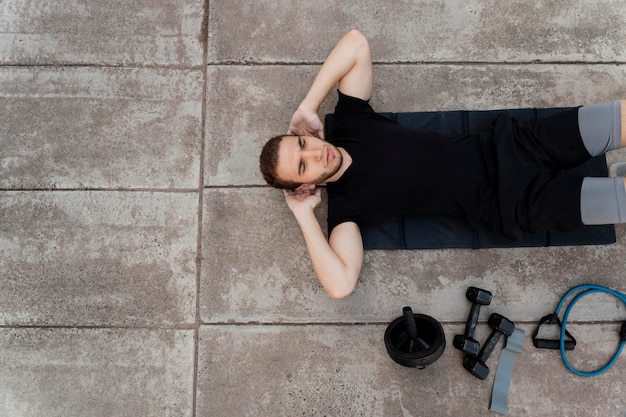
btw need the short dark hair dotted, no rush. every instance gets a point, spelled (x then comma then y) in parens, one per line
(268, 162)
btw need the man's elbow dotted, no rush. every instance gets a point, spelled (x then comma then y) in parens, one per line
(357, 37)
(340, 292)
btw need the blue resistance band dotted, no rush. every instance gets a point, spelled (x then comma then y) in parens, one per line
(587, 289)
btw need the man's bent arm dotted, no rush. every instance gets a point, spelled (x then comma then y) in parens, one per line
(337, 263)
(350, 65)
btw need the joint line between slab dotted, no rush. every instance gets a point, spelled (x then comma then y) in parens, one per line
(227, 63)
(205, 69)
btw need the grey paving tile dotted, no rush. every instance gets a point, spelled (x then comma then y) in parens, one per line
(256, 269)
(420, 30)
(99, 127)
(96, 372)
(105, 33)
(527, 283)
(345, 371)
(253, 266)
(242, 114)
(478, 87)
(97, 258)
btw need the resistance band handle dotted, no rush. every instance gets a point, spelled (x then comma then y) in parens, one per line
(552, 343)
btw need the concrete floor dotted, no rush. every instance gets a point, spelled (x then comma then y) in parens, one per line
(146, 270)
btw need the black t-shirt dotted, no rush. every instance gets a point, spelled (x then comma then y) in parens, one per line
(396, 170)
(510, 179)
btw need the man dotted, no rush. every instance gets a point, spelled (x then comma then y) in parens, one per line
(511, 178)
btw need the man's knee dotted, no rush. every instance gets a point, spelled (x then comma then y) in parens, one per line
(601, 126)
(603, 200)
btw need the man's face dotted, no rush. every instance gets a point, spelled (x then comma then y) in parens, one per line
(307, 159)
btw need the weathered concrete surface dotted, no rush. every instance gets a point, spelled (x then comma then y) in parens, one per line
(96, 372)
(421, 30)
(345, 370)
(244, 115)
(263, 254)
(99, 128)
(97, 258)
(145, 270)
(154, 32)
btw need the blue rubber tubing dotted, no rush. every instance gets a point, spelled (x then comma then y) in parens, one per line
(586, 289)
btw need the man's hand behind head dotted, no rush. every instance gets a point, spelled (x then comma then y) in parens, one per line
(306, 123)
(304, 199)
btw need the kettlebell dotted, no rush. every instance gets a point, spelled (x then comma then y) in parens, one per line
(414, 340)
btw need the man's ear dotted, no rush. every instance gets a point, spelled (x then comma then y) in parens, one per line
(305, 188)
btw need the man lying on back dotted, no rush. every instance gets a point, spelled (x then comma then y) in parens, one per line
(510, 178)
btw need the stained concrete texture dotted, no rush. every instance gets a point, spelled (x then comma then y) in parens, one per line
(86, 127)
(345, 370)
(92, 32)
(146, 270)
(94, 258)
(84, 372)
(420, 30)
(261, 255)
(263, 106)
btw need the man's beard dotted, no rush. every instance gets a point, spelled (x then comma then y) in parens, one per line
(322, 178)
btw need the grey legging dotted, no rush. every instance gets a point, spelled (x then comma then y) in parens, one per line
(602, 200)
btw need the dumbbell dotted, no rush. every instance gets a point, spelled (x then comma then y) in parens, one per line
(476, 364)
(466, 342)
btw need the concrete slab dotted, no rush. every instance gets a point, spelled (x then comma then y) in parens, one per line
(263, 254)
(99, 128)
(345, 370)
(105, 33)
(242, 115)
(98, 258)
(252, 268)
(485, 87)
(96, 372)
(420, 30)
